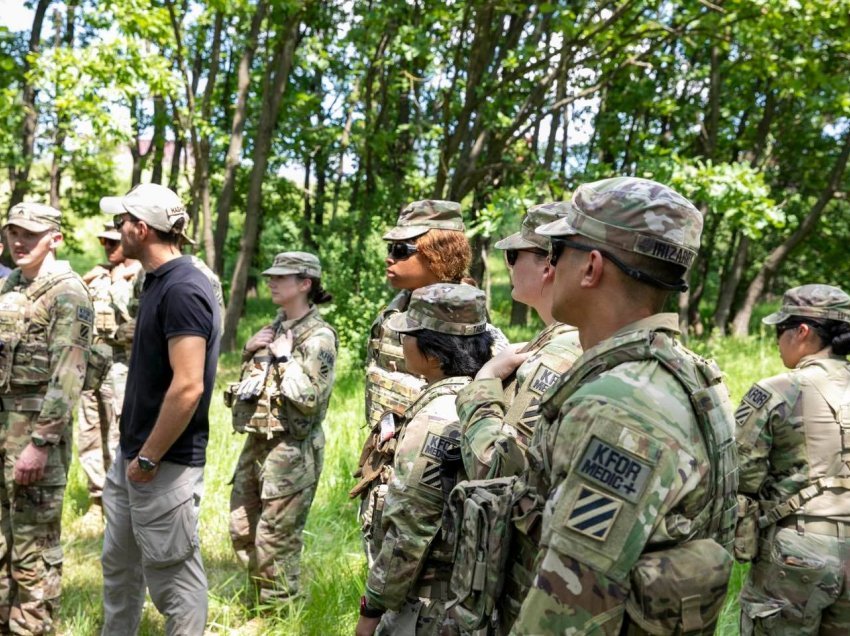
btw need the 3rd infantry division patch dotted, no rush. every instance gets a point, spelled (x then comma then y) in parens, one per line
(593, 513)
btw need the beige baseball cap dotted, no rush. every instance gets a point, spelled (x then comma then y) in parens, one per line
(110, 233)
(34, 217)
(152, 203)
(302, 263)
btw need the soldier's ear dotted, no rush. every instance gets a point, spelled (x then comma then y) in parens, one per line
(56, 240)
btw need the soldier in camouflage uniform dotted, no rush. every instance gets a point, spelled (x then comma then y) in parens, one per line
(111, 286)
(794, 447)
(46, 324)
(633, 453)
(497, 421)
(445, 340)
(280, 403)
(426, 246)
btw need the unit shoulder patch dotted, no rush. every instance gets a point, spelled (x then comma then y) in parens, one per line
(84, 314)
(614, 469)
(544, 377)
(436, 446)
(593, 513)
(757, 396)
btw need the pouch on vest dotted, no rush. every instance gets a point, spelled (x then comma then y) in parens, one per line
(680, 590)
(481, 512)
(100, 361)
(12, 328)
(747, 530)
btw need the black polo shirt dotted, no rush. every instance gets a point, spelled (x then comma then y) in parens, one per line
(177, 300)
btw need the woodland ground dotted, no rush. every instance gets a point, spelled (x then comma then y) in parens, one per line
(333, 569)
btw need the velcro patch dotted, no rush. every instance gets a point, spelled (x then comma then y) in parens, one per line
(614, 469)
(593, 513)
(757, 396)
(743, 413)
(436, 446)
(431, 476)
(84, 314)
(544, 377)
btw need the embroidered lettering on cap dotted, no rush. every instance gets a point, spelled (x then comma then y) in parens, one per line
(614, 469)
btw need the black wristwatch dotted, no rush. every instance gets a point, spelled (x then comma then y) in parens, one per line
(147, 465)
(369, 612)
(284, 358)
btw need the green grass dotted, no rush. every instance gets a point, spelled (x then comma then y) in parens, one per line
(333, 568)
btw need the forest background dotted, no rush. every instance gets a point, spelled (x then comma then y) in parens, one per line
(309, 124)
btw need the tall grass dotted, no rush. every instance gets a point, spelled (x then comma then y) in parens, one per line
(333, 569)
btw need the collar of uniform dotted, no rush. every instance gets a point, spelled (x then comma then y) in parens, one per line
(294, 324)
(823, 354)
(655, 322)
(58, 267)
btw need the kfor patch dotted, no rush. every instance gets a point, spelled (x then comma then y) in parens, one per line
(436, 446)
(84, 314)
(544, 377)
(614, 469)
(757, 396)
(593, 513)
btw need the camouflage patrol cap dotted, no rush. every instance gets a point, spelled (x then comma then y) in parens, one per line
(34, 217)
(420, 216)
(637, 215)
(812, 301)
(527, 238)
(302, 263)
(455, 309)
(109, 233)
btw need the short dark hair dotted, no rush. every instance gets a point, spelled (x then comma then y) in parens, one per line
(458, 355)
(832, 333)
(174, 236)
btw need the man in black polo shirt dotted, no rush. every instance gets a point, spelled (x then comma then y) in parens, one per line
(153, 489)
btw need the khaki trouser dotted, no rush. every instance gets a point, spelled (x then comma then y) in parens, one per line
(31, 522)
(800, 584)
(152, 538)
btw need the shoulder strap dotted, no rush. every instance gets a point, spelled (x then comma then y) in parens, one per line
(449, 386)
(38, 288)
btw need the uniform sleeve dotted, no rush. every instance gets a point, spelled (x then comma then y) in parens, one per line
(69, 342)
(615, 478)
(481, 410)
(412, 518)
(755, 419)
(307, 379)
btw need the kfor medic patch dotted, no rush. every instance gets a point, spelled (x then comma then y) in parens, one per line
(544, 377)
(435, 446)
(757, 396)
(614, 469)
(593, 513)
(86, 315)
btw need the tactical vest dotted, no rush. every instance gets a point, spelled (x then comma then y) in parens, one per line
(266, 414)
(389, 387)
(105, 323)
(24, 359)
(525, 399)
(825, 397)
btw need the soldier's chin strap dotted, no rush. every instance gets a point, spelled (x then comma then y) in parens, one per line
(628, 270)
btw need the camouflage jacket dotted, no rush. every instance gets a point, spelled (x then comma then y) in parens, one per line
(50, 356)
(111, 290)
(413, 552)
(619, 458)
(789, 434)
(493, 418)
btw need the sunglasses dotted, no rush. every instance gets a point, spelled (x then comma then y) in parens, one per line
(780, 329)
(118, 220)
(109, 242)
(401, 251)
(512, 254)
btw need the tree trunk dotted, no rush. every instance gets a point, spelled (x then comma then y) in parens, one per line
(741, 323)
(57, 161)
(276, 79)
(19, 174)
(729, 285)
(234, 150)
(158, 141)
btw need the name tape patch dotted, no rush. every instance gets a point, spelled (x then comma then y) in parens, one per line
(757, 396)
(544, 378)
(593, 513)
(614, 469)
(436, 446)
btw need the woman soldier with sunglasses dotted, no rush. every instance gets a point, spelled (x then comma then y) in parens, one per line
(793, 443)
(111, 287)
(427, 246)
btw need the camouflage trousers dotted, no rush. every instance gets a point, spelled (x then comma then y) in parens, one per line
(800, 584)
(273, 488)
(30, 517)
(97, 431)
